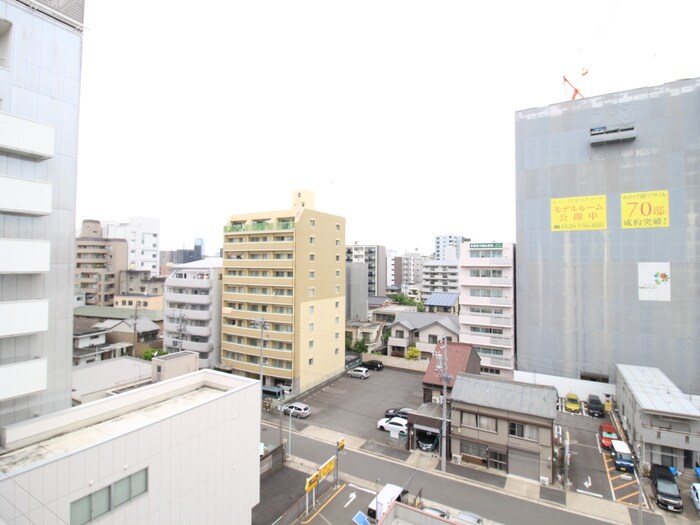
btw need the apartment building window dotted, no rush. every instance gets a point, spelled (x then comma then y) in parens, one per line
(485, 330)
(337, 289)
(337, 350)
(480, 310)
(312, 223)
(312, 292)
(337, 320)
(311, 361)
(337, 273)
(337, 258)
(312, 256)
(490, 371)
(485, 273)
(311, 310)
(311, 327)
(5, 28)
(337, 335)
(482, 350)
(486, 292)
(521, 430)
(337, 242)
(337, 304)
(312, 240)
(311, 345)
(312, 274)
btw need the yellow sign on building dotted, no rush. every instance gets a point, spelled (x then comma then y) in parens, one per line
(588, 212)
(646, 209)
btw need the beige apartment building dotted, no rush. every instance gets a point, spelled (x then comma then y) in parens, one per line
(284, 295)
(98, 264)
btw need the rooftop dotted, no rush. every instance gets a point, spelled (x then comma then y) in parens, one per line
(655, 392)
(524, 398)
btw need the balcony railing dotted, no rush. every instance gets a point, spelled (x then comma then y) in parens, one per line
(259, 226)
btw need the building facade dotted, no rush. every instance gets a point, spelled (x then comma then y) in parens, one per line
(356, 298)
(193, 310)
(507, 426)
(143, 236)
(487, 304)
(375, 259)
(662, 423)
(439, 277)
(99, 263)
(607, 193)
(284, 295)
(40, 59)
(448, 247)
(147, 455)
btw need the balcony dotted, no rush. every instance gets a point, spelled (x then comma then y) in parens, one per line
(195, 315)
(26, 138)
(260, 227)
(195, 284)
(487, 262)
(25, 197)
(485, 320)
(23, 317)
(23, 378)
(189, 298)
(24, 256)
(467, 280)
(496, 362)
(500, 341)
(200, 331)
(487, 301)
(196, 347)
(258, 246)
(398, 341)
(260, 264)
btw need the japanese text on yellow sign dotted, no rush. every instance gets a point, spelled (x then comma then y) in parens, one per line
(579, 213)
(327, 468)
(646, 209)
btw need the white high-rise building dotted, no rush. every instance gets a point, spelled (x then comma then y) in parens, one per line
(448, 247)
(193, 310)
(487, 304)
(40, 60)
(143, 236)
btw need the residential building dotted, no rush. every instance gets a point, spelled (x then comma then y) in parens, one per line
(98, 264)
(367, 331)
(143, 236)
(422, 331)
(140, 282)
(487, 304)
(193, 310)
(448, 247)
(169, 257)
(284, 295)
(608, 241)
(445, 303)
(439, 277)
(40, 57)
(90, 343)
(147, 455)
(139, 301)
(389, 312)
(408, 269)
(356, 298)
(140, 333)
(104, 313)
(375, 259)
(461, 358)
(507, 426)
(661, 422)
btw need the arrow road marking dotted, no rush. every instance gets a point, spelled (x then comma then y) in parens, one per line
(587, 483)
(352, 497)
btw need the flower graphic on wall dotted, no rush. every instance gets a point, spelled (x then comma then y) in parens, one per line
(661, 277)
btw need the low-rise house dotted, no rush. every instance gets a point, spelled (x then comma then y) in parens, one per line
(141, 333)
(367, 331)
(661, 422)
(461, 358)
(420, 330)
(444, 303)
(505, 425)
(90, 343)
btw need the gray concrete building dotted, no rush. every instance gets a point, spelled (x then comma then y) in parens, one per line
(607, 199)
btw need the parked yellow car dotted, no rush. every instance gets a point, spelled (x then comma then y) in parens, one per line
(572, 404)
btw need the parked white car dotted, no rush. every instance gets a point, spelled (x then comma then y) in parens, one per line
(396, 424)
(695, 495)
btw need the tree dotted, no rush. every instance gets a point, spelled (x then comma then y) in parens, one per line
(360, 346)
(413, 354)
(348, 341)
(150, 353)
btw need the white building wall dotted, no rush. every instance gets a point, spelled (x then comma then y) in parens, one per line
(203, 463)
(40, 91)
(487, 304)
(143, 237)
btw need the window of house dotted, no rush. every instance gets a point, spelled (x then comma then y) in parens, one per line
(490, 371)
(479, 421)
(433, 339)
(399, 334)
(523, 430)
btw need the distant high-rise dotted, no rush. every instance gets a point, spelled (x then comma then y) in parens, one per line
(143, 236)
(448, 247)
(374, 257)
(40, 57)
(284, 295)
(608, 236)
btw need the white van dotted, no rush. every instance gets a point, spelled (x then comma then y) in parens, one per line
(381, 502)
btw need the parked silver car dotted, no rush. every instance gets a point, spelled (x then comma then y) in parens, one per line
(360, 372)
(299, 410)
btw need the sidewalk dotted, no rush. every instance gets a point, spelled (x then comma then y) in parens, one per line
(582, 504)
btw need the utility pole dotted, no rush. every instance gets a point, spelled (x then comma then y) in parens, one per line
(263, 325)
(443, 371)
(136, 316)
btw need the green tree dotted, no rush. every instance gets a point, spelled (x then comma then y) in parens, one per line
(420, 307)
(150, 353)
(348, 341)
(360, 346)
(402, 299)
(413, 354)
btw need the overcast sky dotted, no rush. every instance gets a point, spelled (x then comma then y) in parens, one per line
(398, 114)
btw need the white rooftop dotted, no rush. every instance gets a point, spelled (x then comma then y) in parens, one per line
(655, 392)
